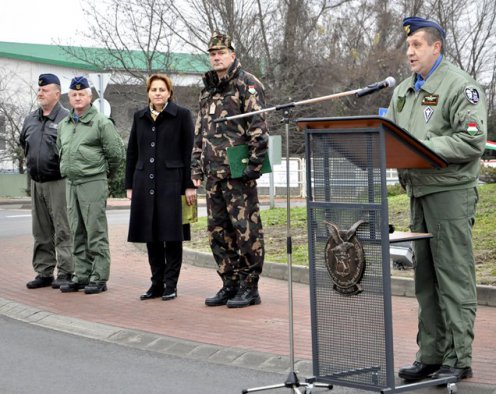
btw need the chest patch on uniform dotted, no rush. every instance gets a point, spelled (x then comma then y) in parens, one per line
(472, 95)
(431, 99)
(400, 103)
(428, 114)
(212, 109)
(472, 128)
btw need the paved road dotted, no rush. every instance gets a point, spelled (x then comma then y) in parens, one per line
(45, 361)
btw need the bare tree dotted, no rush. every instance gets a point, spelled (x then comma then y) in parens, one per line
(133, 38)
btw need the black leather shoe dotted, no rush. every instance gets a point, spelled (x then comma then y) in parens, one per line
(418, 371)
(169, 294)
(40, 281)
(246, 296)
(459, 373)
(222, 296)
(61, 280)
(152, 292)
(95, 288)
(71, 287)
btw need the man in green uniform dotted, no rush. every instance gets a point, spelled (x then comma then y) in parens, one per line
(90, 152)
(234, 224)
(445, 108)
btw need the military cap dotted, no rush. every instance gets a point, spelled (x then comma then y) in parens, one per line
(79, 83)
(47, 79)
(219, 41)
(413, 23)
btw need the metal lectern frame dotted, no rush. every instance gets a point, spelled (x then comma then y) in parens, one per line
(347, 158)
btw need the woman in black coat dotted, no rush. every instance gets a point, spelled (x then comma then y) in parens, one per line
(157, 174)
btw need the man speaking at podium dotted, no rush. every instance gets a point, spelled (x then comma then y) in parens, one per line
(445, 108)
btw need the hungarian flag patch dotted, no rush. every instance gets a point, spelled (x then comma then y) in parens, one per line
(472, 128)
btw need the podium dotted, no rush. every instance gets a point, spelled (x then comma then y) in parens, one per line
(348, 235)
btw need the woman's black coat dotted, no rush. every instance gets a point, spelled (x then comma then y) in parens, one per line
(158, 170)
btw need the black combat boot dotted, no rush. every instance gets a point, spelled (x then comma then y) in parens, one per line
(247, 294)
(228, 291)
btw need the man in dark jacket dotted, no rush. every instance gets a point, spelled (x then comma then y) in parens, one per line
(52, 239)
(234, 224)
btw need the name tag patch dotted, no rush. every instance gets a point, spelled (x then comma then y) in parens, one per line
(431, 99)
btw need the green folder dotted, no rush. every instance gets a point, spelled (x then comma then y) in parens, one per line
(238, 157)
(190, 212)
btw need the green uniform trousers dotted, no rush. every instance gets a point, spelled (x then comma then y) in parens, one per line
(51, 232)
(86, 206)
(445, 284)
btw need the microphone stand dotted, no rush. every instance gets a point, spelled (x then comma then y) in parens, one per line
(292, 382)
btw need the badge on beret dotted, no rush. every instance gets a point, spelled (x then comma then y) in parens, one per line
(400, 103)
(251, 89)
(428, 114)
(431, 99)
(472, 95)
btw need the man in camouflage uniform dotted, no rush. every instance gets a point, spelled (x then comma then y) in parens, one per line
(234, 224)
(446, 109)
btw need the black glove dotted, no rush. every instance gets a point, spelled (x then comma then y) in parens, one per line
(250, 175)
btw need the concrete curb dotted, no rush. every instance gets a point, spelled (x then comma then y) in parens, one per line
(153, 342)
(486, 295)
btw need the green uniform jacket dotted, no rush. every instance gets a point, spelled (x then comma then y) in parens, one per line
(449, 115)
(90, 149)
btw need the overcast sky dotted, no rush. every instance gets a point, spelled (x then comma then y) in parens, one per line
(41, 21)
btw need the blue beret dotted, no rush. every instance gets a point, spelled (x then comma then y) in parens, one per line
(79, 83)
(47, 79)
(413, 23)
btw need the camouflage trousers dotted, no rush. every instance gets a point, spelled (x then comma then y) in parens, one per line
(235, 228)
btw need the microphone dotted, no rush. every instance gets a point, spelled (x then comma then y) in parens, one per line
(389, 82)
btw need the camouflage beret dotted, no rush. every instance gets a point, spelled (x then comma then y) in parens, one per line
(219, 41)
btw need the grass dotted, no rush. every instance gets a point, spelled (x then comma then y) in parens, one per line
(274, 221)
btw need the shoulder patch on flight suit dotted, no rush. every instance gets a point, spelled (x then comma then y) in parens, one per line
(472, 95)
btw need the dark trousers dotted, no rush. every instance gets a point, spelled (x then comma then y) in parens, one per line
(165, 260)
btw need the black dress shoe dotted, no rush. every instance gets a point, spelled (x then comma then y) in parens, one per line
(71, 287)
(95, 288)
(459, 373)
(169, 294)
(152, 292)
(40, 281)
(418, 371)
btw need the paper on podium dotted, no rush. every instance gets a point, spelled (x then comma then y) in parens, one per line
(190, 212)
(238, 157)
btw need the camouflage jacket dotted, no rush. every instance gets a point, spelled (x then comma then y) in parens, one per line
(236, 93)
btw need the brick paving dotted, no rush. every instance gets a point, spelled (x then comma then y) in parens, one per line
(263, 328)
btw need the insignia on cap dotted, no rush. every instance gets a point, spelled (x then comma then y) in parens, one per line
(472, 95)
